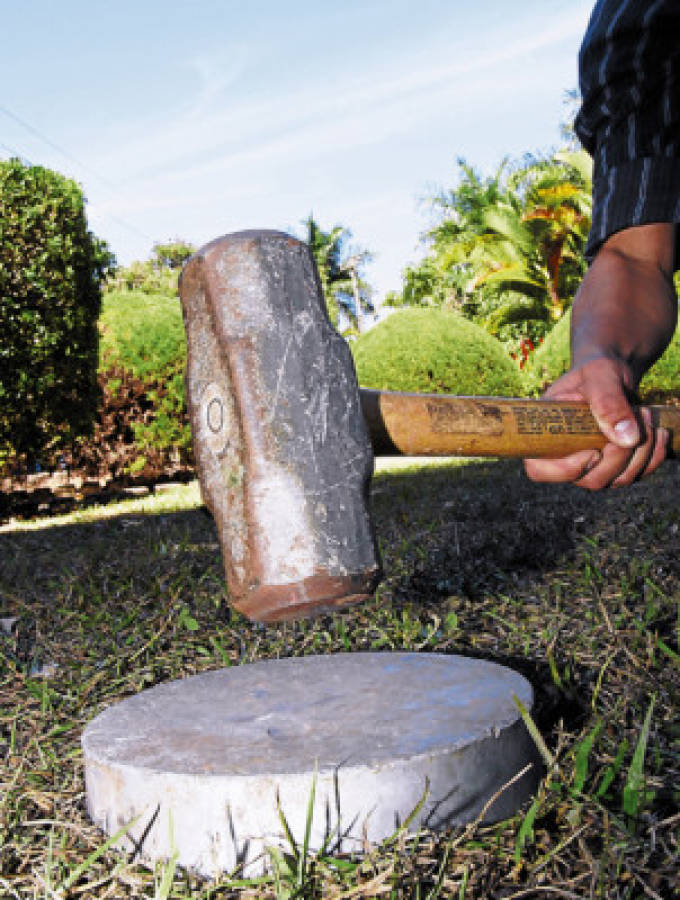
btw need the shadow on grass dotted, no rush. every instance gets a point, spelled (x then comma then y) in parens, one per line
(462, 530)
(485, 526)
(476, 540)
(519, 566)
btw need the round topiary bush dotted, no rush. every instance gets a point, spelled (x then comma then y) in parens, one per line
(553, 357)
(663, 379)
(434, 351)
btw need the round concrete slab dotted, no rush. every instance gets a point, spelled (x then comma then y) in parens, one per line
(200, 762)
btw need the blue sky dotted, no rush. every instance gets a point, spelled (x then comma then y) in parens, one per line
(192, 119)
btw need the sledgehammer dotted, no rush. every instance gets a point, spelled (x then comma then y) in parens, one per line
(284, 439)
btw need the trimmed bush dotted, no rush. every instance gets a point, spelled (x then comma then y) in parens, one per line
(664, 376)
(552, 359)
(434, 351)
(143, 356)
(51, 270)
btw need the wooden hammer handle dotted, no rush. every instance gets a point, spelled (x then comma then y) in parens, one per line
(442, 425)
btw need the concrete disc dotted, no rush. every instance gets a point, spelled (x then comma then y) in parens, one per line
(202, 760)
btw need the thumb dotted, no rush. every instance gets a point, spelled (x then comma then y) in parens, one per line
(604, 388)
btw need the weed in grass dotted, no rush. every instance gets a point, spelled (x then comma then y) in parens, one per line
(186, 620)
(635, 795)
(582, 753)
(164, 872)
(294, 871)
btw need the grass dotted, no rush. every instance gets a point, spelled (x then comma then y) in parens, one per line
(581, 594)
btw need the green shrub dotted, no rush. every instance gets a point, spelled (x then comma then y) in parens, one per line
(434, 351)
(142, 337)
(51, 270)
(552, 359)
(664, 376)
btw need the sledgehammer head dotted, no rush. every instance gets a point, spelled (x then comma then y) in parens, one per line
(283, 456)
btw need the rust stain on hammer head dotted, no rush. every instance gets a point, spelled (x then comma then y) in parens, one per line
(315, 595)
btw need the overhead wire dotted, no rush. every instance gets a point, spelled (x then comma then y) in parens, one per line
(65, 153)
(16, 153)
(50, 143)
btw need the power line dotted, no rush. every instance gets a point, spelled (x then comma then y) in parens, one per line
(74, 159)
(50, 143)
(127, 225)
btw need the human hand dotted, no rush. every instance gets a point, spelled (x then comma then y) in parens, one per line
(623, 318)
(634, 449)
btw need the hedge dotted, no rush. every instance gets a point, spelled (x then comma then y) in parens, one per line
(434, 351)
(51, 270)
(143, 340)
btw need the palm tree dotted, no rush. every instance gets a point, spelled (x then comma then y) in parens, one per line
(455, 243)
(535, 243)
(347, 293)
(507, 249)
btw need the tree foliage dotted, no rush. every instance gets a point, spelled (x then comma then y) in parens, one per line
(172, 255)
(156, 275)
(506, 250)
(51, 271)
(347, 293)
(536, 240)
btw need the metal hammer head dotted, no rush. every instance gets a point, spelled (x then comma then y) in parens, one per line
(282, 452)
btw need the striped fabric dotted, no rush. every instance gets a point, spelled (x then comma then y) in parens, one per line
(629, 121)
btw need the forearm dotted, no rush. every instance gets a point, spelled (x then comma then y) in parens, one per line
(625, 312)
(626, 309)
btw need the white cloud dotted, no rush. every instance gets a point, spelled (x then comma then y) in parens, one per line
(216, 74)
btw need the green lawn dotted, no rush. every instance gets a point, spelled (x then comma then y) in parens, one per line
(580, 593)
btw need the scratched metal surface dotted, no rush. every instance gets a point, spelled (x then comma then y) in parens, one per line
(289, 715)
(289, 481)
